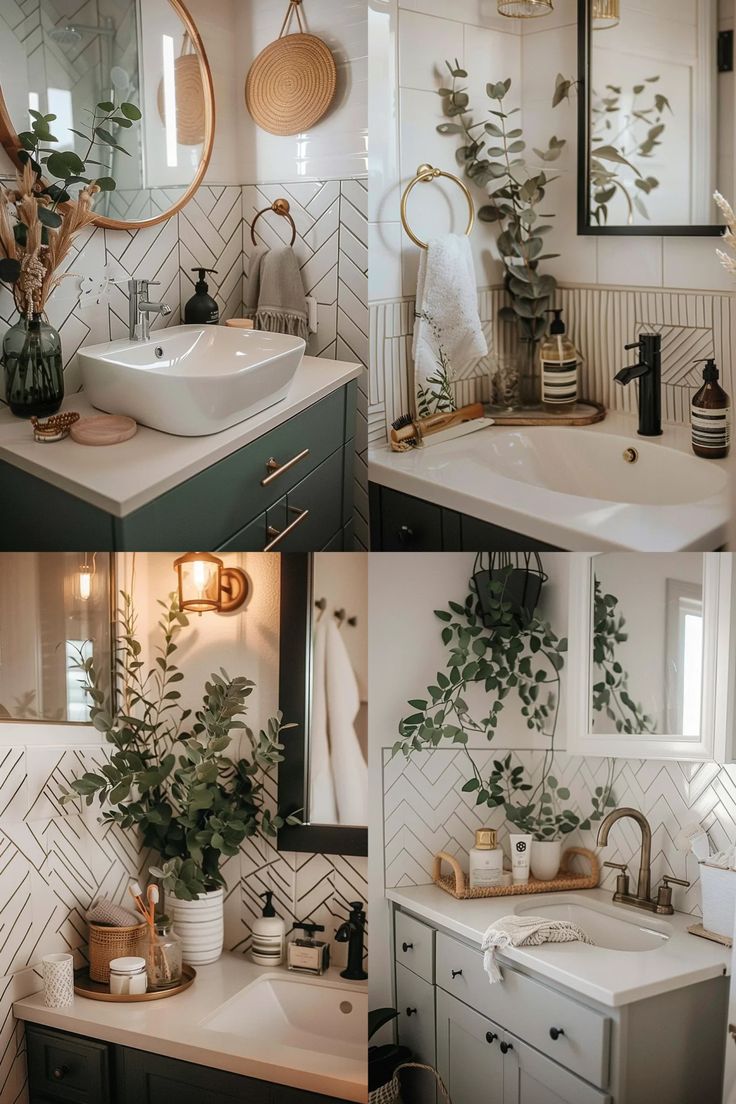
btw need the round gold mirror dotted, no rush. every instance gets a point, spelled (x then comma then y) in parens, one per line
(147, 53)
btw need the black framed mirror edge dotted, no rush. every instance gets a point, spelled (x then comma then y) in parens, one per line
(295, 630)
(585, 227)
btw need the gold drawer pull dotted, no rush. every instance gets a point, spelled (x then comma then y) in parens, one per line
(277, 469)
(279, 534)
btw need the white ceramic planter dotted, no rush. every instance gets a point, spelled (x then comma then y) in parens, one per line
(200, 925)
(546, 858)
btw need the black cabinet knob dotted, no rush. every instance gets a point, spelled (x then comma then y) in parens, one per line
(491, 1036)
(411, 1011)
(407, 947)
(59, 1073)
(455, 973)
(555, 1032)
(506, 1047)
(405, 534)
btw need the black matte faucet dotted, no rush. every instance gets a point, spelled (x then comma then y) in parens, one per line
(648, 371)
(352, 932)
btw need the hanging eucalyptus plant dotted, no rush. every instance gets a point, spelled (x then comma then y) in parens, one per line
(491, 156)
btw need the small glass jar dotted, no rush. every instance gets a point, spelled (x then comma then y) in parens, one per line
(128, 976)
(505, 373)
(161, 949)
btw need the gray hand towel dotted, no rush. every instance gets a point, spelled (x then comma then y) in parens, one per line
(274, 297)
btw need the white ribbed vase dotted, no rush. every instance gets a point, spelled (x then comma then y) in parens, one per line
(200, 925)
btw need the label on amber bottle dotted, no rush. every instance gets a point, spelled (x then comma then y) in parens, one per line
(711, 428)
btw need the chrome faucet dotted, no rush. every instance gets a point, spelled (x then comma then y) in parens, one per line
(352, 932)
(648, 371)
(141, 309)
(641, 899)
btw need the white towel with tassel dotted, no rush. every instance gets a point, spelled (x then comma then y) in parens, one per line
(447, 330)
(349, 769)
(525, 931)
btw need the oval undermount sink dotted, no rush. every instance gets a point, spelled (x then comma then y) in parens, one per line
(607, 930)
(589, 465)
(191, 380)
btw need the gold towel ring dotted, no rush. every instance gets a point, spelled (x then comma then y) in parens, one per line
(426, 173)
(279, 207)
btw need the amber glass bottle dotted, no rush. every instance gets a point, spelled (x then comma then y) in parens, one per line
(710, 417)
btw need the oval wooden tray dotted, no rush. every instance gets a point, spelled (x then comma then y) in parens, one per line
(95, 990)
(455, 883)
(582, 414)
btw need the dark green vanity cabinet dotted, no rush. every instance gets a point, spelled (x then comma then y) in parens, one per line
(237, 504)
(71, 1069)
(402, 523)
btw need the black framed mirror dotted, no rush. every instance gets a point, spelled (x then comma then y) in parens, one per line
(323, 650)
(655, 117)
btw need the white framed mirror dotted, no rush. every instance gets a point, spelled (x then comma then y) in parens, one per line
(652, 655)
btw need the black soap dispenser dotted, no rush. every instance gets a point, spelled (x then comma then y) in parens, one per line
(710, 416)
(202, 308)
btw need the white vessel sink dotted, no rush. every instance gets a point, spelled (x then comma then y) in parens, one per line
(608, 928)
(191, 380)
(296, 1015)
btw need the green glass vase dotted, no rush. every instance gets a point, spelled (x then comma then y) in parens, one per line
(33, 368)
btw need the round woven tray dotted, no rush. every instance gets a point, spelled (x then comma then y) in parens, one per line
(191, 116)
(291, 84)
(456, 883)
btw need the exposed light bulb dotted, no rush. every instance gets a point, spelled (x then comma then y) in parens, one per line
(85, 583)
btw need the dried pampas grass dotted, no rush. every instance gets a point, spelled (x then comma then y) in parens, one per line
(45, 249)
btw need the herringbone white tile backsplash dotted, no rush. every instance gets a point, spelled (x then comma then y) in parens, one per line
(54, 861)
(425, 810)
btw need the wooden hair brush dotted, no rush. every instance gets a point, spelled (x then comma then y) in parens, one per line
(408, 433)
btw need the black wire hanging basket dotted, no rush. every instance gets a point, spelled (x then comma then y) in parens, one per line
(507, 583)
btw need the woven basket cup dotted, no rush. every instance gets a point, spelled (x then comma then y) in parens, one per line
(106, 943)
(291, 84)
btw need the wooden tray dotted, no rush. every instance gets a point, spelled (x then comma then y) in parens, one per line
(703, 933)
(455, 883)
(85, 987)
(582, 414)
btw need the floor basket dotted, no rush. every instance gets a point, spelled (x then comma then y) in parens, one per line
(107, 943)
(390, 1093)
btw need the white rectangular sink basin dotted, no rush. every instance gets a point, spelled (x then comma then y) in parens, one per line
(575, 488)
(607, 927)
(191, 380)
(298, 1017)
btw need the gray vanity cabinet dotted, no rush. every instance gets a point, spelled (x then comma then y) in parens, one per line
(239, 503)
(528, 1041)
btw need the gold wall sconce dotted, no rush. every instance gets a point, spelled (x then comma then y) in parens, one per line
(206, 585)
(606, 14)
(524, 9)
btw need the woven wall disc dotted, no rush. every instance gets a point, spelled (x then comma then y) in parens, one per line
(191, 124)
(291, 84)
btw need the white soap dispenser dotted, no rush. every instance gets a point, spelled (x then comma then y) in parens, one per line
(269, 935)
(486, 860)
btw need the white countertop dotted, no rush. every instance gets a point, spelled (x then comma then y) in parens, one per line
(121, 478)
(172, 1027)
(612, 978)
(463, 475)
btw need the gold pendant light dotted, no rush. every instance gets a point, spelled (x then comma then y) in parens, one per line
(606, 14)
(524, 9)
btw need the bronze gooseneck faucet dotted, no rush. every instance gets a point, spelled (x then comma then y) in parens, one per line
(641, 899)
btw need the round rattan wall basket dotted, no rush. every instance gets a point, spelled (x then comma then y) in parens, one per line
(291, 83)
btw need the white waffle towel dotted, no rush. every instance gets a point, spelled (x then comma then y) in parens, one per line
(525, 931)
(447, 331)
